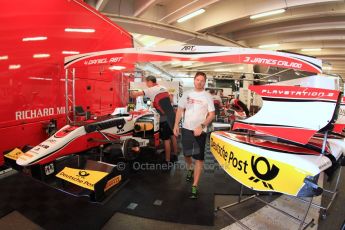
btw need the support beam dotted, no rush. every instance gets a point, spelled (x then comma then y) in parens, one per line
(298, 26)
(297, 37)
(141, 26)
(179, 8)
(140, 6)
(101, 5)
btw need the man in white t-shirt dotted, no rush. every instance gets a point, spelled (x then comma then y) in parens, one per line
(198, 109)
(160, 98)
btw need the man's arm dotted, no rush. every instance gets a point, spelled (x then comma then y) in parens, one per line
(135, 94)
(209, 118)
(177, 121)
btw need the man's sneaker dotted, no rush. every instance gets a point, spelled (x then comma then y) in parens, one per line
(194, 193)
(190, 175)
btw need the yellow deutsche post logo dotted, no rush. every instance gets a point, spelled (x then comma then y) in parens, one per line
(255, 171)
(83, 178)
(14, 154)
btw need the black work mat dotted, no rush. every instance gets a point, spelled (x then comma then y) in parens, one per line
(170, 191)
(48, 207)
(154, 194)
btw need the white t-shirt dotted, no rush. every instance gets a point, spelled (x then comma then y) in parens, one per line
(152, 92)
(197, 105)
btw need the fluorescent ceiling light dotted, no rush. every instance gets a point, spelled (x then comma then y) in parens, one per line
(14, 66)
(327, 68)
(181, 75)
(5, 57)
(191, 15)
(117, 67)
(176, 63)
(184, 64)
(151, 44)
(41, 55)
(79, 30)
(154, 42)
(70, 52)
(311, 49)
(268, 46)
(222, 70)
(269, 13)
(34, 39)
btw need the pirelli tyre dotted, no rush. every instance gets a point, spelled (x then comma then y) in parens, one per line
(130, 149)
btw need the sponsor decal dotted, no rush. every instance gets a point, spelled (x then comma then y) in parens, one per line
(44, 146)
(342, 111)
(295, 92)
(188, 48)
(103, 61)
(229, 157)
(35, 113)
(112, 182)
(180, 90)
(257, 172)
(130, 107)
(325, 165)
(51, 141)
(194, 101)
(14, 154)
(270, 61)
(270, 174)
(49, 169)
(83, 178)
(83, 174)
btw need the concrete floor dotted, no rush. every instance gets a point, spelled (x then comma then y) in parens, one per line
(124, 221)
(336, 214)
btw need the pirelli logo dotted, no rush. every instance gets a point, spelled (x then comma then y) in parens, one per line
(112, 182)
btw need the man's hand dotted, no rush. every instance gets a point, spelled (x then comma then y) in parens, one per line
(197, 131)
(176, 131)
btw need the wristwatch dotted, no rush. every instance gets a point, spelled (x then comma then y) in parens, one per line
(203, 126)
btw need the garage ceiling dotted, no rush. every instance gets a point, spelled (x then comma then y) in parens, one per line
(317, 25)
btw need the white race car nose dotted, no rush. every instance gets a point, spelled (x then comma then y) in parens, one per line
(24, 159)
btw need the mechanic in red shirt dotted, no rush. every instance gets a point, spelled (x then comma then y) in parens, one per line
(161, 102)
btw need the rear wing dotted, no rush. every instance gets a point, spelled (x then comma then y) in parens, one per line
(293, 113)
